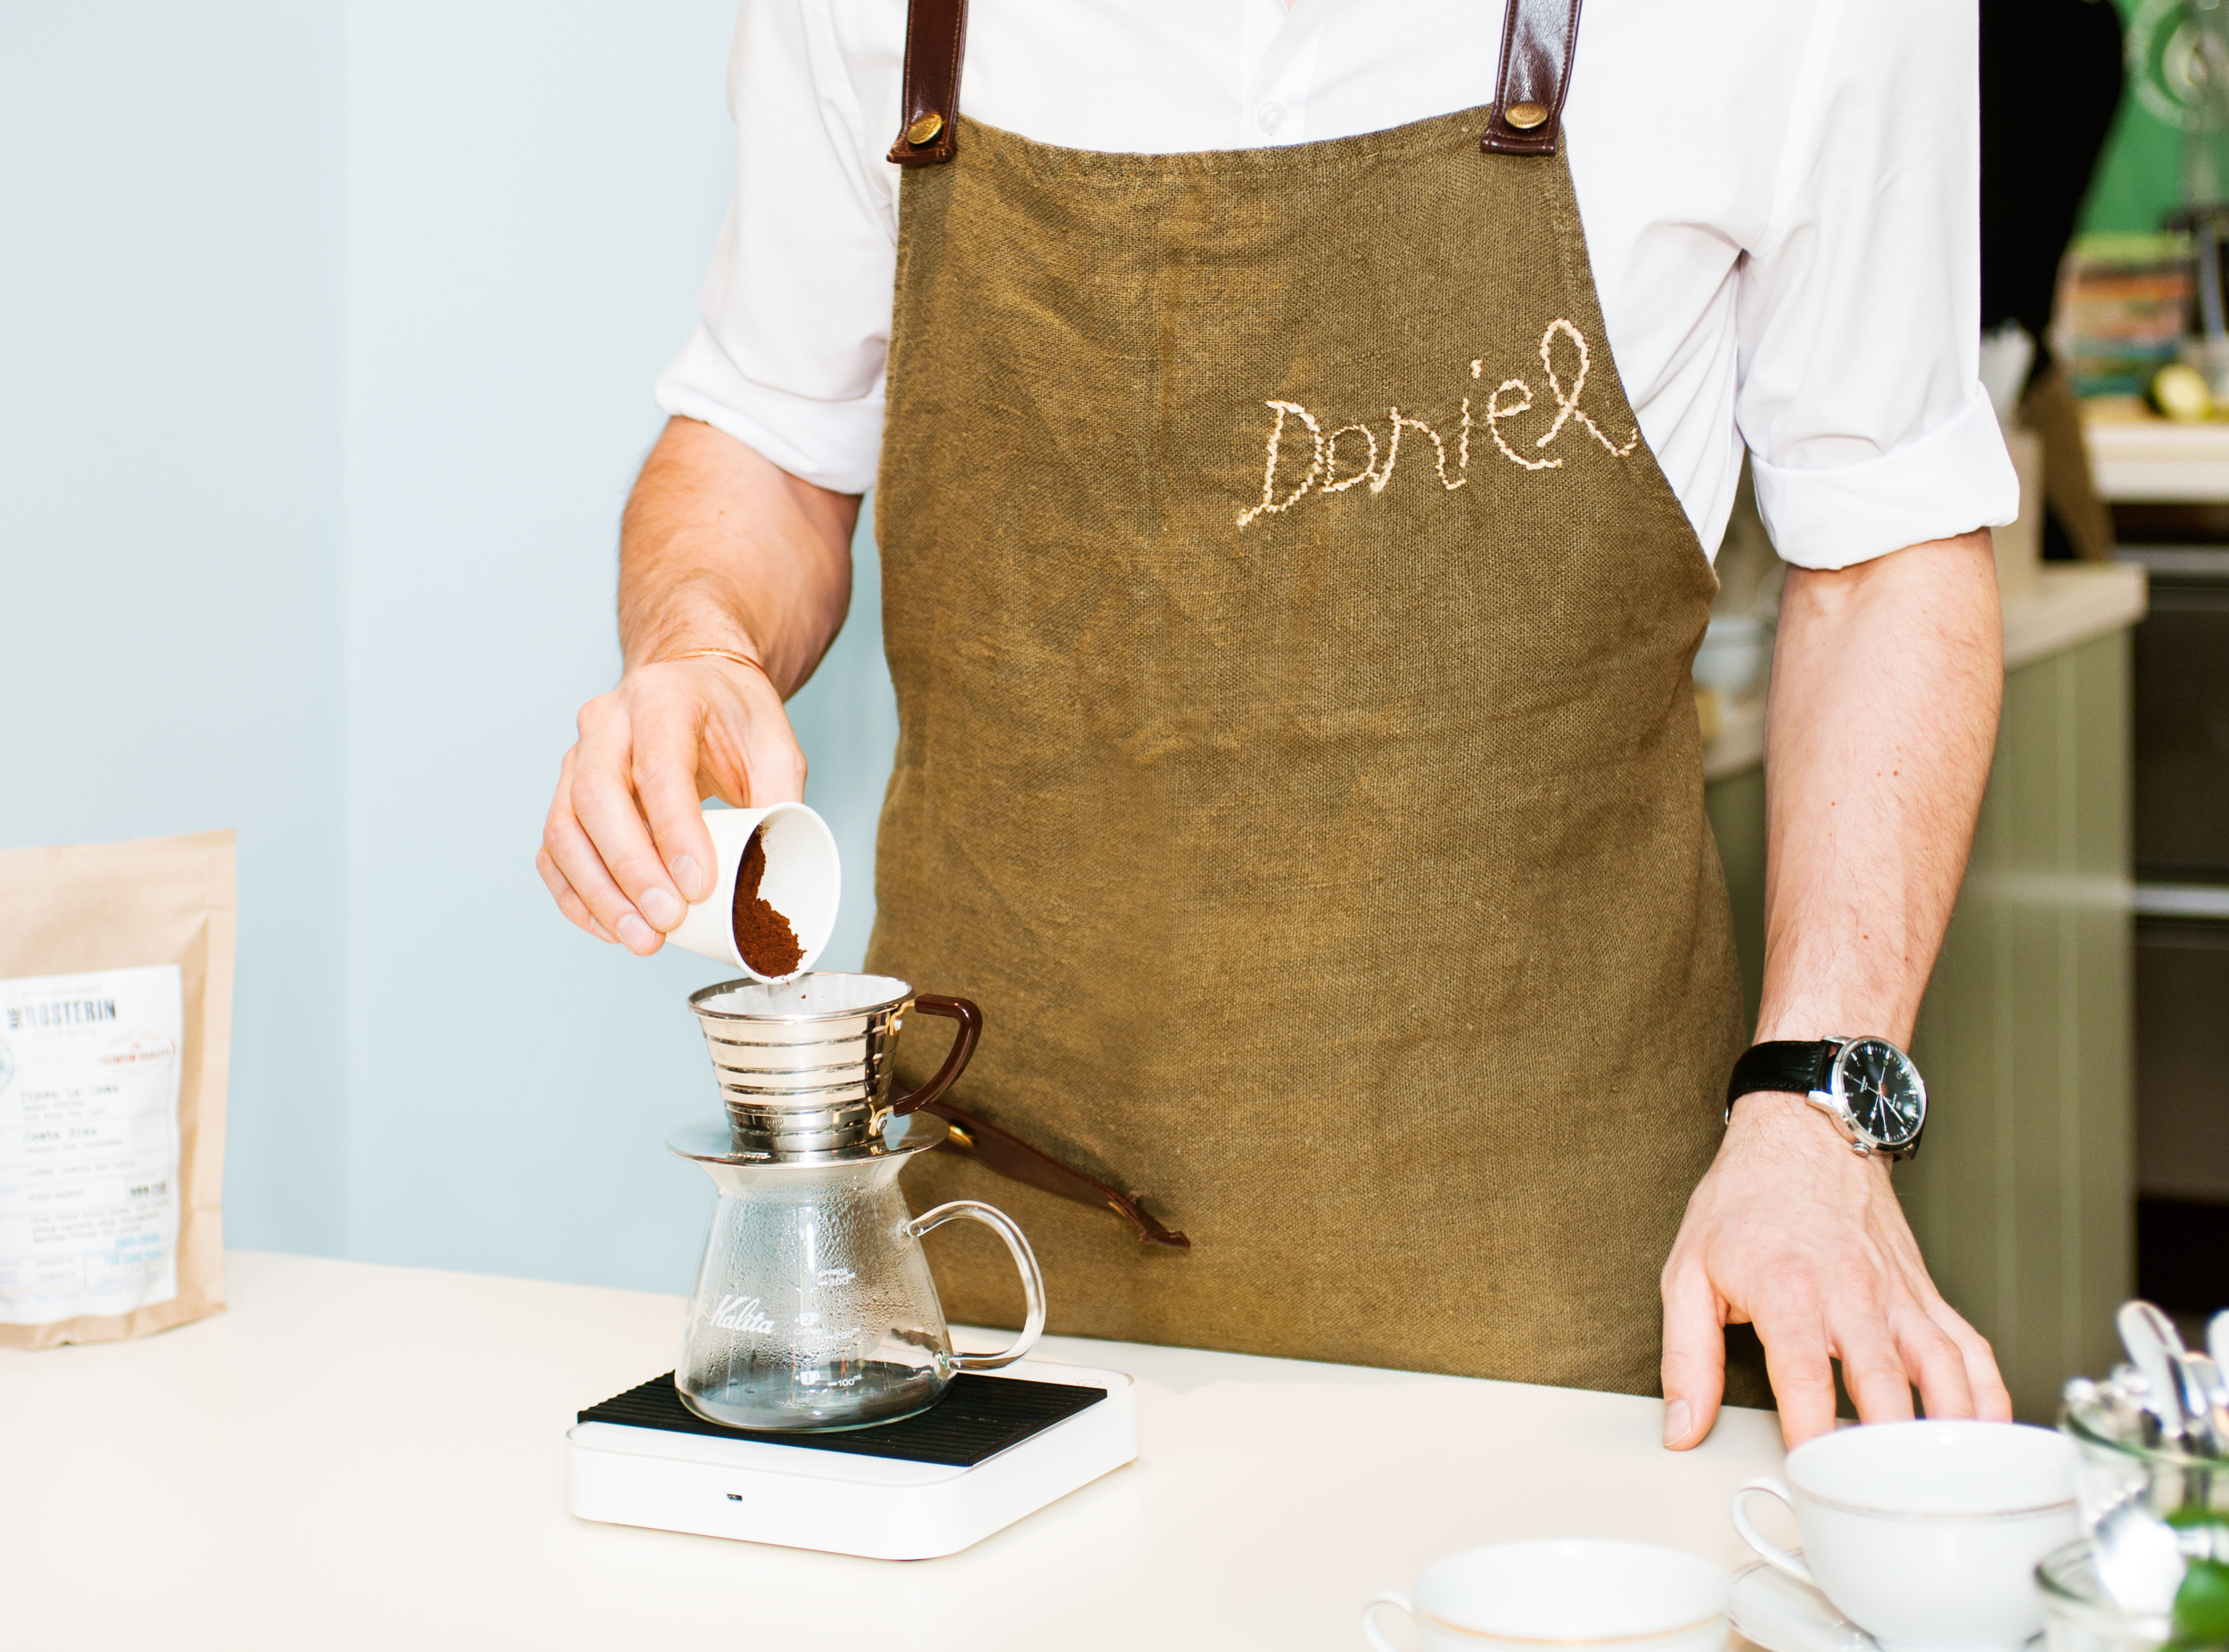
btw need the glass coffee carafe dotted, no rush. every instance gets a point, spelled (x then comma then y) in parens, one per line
(814, 1309)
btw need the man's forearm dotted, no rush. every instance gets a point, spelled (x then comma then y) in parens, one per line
(720, 548)
(1885, 684)
(1884, 714)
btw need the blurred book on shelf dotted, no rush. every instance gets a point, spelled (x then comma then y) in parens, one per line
(2123, 308)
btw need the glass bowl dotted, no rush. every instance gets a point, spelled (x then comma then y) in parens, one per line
(2116, 1470)
(2078, 1617)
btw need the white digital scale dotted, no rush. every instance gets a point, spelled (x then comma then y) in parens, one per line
(997, 1446)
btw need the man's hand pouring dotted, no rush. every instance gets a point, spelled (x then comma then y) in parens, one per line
(734, 578)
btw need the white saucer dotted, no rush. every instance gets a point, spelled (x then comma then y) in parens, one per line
(1781, 1615)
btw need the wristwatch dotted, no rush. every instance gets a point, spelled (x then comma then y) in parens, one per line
(1867, 1086)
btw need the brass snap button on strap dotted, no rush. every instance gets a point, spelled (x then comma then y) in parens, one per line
(1525, 117)
(924, 130)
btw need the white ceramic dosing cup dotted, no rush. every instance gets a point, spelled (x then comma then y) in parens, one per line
(803, 882)
(1926, 1534)
(1619, 1597)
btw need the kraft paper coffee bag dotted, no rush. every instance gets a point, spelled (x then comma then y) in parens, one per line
(115, 1033)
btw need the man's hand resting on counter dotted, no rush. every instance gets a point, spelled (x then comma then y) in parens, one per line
(1886, 678)
(720, 550)
(1797, 1235)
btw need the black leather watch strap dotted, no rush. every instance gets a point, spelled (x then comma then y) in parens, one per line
(1797, 1066)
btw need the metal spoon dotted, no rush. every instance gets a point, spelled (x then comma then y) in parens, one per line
(2156, 1349)
(2138, 1556)
(2210, 1390)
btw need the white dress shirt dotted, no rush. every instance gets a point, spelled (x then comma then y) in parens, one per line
(1779, 199)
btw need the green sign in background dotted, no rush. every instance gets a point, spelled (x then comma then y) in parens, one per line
(2139, 174)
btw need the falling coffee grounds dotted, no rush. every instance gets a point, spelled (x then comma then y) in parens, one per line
(763, 936)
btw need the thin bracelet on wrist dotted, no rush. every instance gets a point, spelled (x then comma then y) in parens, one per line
(721, 654)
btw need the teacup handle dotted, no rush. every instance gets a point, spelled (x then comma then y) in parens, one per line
(1384, 1598)
(956, 1059)
(1777, 1558)
(1025, 1259)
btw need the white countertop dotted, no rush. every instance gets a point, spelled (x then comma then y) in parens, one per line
(2159, 461)
(2072, 604)
(358, 1457)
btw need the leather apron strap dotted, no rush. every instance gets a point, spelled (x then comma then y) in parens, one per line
(936, 38)
(1538, 38)
(1005, 1154)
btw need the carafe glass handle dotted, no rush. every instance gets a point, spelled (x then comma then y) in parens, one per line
(1025, 1259)
(956, 1059)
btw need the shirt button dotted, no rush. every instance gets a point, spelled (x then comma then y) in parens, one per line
(1270, 117)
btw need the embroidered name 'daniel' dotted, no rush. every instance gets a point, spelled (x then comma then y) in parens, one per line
(1509, 399)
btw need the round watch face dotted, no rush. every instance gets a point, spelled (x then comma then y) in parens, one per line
(1882, 1090)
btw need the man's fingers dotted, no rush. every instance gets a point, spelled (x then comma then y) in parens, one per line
(583, 868)
(1694, 1366)
(1801, 1374)
(665, 770)
(567, 898)
(568, 903)
(1936, 1364)
(1990, 1401)
(1873, 1365)
(603, 800)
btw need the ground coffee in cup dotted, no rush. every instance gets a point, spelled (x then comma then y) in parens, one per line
(763, 936)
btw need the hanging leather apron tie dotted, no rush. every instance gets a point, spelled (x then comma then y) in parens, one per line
(1298, 758)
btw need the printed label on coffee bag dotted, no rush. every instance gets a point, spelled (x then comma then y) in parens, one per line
(89, 1142)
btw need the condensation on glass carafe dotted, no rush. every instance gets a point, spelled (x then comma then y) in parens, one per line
(814, 1307)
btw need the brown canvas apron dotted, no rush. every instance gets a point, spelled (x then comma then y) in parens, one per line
(1297, 757)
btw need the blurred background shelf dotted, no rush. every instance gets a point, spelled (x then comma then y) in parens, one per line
(2139, 460)
(2180, 845)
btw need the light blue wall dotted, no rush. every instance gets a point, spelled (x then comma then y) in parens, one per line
(171, 516)
(356, 490)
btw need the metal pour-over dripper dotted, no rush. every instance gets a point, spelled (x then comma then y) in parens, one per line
(804, 1065)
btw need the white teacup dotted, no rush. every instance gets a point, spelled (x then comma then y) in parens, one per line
(1632, 1596)
(1926, 1534)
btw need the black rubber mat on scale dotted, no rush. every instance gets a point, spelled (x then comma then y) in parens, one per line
(977, 1417)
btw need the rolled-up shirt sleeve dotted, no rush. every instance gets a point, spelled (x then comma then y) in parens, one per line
(788, 356)
(1859, 308)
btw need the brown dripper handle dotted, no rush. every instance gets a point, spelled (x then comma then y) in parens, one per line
(956, 1059)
